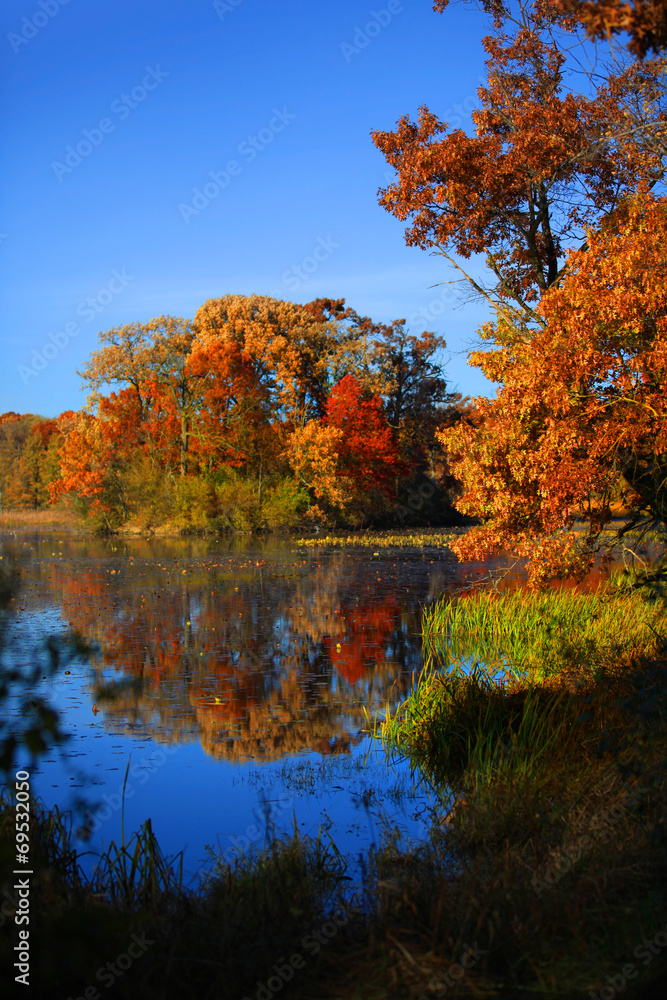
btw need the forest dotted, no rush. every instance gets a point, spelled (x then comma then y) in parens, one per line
(256, 414)
(259, 413)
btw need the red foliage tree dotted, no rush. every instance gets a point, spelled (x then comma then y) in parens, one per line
(368, 452)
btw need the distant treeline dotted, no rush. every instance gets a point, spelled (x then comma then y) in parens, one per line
(29, 460)
(257, 414)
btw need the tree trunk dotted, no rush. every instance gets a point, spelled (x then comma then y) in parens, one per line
(184, 444)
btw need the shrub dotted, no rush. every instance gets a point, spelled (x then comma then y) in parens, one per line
(284, 504)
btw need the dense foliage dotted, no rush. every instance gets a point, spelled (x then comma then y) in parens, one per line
(28, 460)
(257, 413)
(561, 193)
(579, 426)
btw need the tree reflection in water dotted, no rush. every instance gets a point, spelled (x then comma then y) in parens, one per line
(257, 652)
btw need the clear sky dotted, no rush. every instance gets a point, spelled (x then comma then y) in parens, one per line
(162, 152)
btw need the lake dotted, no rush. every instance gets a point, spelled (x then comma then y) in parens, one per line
(232, 686)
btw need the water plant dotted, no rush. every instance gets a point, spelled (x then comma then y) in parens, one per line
(384, 539)
(536, 635)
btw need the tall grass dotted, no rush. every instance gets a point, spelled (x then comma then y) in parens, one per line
(538, 635)
(542, 720)
(459, 724)
(136, 874)
(217, 941)
(521, 676)
(42, 518)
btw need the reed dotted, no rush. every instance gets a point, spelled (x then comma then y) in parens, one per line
(538, 635)
(45, 517)
(456, 722)
(216, 940)
(136, 875)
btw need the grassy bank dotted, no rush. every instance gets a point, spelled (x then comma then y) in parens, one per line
(540, 635)
(134, 930)
(548, 728)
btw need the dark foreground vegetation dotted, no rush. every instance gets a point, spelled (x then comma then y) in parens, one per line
(545, 873)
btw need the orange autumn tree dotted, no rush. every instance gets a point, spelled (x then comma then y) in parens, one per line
(313, 453)
(287, 346)
(644, 21)
(186, 392)
(89, 464)
(543, 165)
(581, 416)
(109, 455)
(28, 460)
(232, 426)
(147, 357)
(368, 452)
(532, 191)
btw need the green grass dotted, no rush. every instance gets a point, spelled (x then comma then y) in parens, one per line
(538, 635)
(542, 720)
(456, 721)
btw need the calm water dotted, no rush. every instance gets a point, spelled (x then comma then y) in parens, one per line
(249, 671)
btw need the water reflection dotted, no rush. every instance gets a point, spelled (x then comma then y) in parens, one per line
(257, 651)
(250, 670)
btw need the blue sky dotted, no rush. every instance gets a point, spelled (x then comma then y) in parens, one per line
(117, 112)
